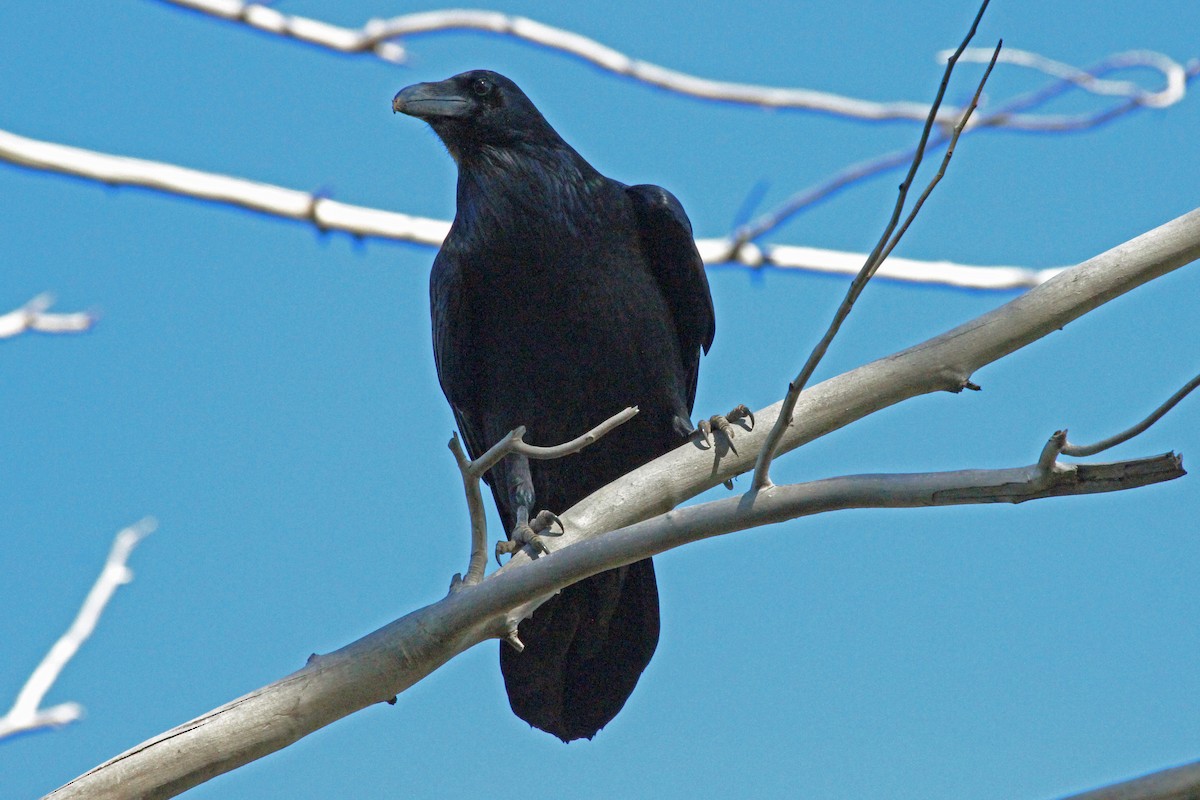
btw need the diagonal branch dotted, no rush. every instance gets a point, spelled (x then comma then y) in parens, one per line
(1176, 783)
(376, 668)
(26, 714)
(381, 665)
(1126, 435)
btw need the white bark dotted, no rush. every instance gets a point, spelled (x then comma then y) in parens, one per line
(388, 661)
(331, 215)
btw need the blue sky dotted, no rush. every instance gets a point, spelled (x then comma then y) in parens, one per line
(268, 393)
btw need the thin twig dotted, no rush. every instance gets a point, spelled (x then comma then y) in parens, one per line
(998, 116)
(1125, 435)
(33, 316)
(941, 172)
(762, 467)
(378, 38)
(25, 714)
(520, 447)
(515, 443)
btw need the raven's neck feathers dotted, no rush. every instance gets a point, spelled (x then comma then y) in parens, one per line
(540, 184)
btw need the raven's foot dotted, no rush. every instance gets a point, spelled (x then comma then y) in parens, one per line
(530, 533)
(725, 424)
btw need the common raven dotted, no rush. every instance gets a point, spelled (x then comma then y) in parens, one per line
(560, 297)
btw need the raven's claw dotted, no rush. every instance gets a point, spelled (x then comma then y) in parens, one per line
(725, 424)
(531, 533)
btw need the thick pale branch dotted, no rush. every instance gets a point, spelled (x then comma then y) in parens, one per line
(944, 363)
(1177, 783)
(384, 663)
(378, 36)
(330, 215)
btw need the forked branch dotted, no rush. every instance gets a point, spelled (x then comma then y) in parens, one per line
(887, 242)
(26, 713)
(36, 316)
(514, 443)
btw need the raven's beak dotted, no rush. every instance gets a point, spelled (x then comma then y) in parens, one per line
(427, 100)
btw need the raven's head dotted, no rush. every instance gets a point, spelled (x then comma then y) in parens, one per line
(476, 109)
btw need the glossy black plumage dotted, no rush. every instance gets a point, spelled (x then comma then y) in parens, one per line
(560, 297)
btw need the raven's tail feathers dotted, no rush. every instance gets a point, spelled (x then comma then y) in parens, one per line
(584, 651)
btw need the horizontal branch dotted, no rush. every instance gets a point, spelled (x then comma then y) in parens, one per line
(381, 665)
(330, 215)
(388, 661)
(35, 316)
(379, 36)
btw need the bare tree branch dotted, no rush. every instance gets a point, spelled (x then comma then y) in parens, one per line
(330, 215)
(1174, 73)
(377, 37)
(386, 662)
(34, 316)
(25, 714)
(887, 241)
(996, 116)
(1126, 435)
(1177, 783)
(473, 471)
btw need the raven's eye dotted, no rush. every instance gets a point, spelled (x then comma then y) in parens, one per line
(481, 86)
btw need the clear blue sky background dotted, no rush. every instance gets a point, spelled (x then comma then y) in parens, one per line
(269, 394)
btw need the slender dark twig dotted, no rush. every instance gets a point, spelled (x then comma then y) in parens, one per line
(762, 468)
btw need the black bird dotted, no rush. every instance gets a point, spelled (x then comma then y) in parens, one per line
(560, 297)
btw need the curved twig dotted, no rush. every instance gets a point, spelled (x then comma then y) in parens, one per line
(378, 38)
(1129, 433)
(1003, 115)
(513, 443)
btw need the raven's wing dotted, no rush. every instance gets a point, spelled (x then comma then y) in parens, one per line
(449, 307)
(666, 237)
